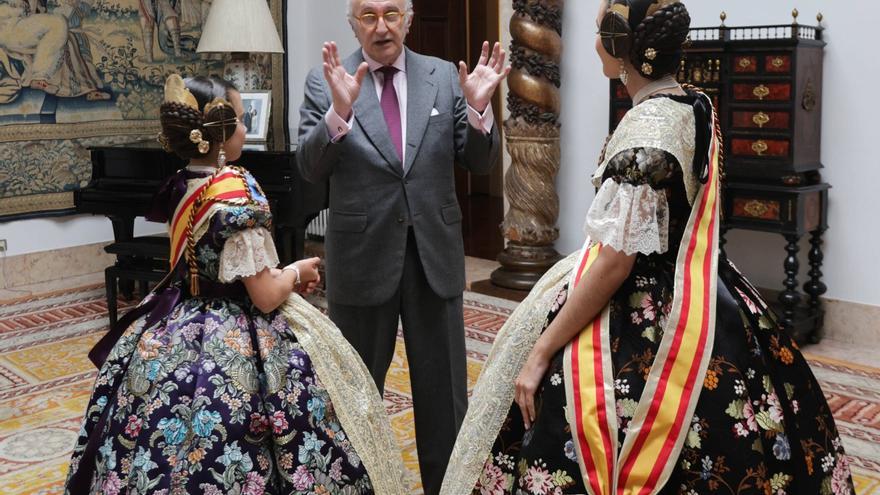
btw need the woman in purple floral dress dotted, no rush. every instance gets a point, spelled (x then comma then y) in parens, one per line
(220, 381)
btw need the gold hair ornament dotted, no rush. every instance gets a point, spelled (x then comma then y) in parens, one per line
(195, 136)
(220, 103)
(164, 142)
(177, 92)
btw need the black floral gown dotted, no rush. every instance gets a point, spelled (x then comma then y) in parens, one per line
(761, 425)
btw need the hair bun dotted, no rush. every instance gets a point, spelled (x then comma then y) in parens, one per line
(662, 35)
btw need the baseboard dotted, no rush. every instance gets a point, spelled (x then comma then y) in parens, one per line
(47, 266)
(850, 322)
(845, 321)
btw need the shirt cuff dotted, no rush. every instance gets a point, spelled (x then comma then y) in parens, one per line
(337, 127)
(482, 122)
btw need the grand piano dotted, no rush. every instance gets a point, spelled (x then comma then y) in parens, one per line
(125, 178)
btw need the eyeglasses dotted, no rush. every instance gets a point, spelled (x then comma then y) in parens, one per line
(371, 20)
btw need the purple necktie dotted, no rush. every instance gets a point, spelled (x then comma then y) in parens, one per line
(391, 109)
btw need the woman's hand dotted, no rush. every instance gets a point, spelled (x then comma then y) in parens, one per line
(527, 385)
(309, 276)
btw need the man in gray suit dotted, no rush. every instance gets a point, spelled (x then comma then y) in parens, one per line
(387, 141)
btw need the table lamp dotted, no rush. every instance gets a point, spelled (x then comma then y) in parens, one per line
(240, 27)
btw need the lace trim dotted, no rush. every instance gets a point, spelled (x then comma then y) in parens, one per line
(660, 123)
(247, 253)
(494, 391)
(353, 394)
(628, 218)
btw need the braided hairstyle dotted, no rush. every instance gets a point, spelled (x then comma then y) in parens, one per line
(665, 32)
(179, 120)
(650, 33)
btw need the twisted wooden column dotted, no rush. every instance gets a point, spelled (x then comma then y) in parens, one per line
(532, 133)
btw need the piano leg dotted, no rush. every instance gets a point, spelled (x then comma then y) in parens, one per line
(289, 242)
(123, 230)
(299, 244)
(110, 282)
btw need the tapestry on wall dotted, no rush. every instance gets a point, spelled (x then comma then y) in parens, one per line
(82, 73)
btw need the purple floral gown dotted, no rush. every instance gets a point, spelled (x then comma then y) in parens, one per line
(215, 397)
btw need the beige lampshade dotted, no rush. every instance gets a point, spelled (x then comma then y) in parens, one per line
(240, 26)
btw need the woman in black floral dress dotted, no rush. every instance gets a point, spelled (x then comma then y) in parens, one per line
(706, 393)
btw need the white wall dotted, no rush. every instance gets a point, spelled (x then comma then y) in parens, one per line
(849, 125)
(47, 234)
(309, 24)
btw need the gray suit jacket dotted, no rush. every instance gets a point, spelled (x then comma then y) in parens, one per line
(373, 201)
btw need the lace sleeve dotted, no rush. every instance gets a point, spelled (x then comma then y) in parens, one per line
(630, 212)
(628, 218)
(245, 253)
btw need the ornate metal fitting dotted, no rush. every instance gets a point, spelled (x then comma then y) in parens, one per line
(650, 54)
(809, 101)
(760, 119)
(761, 92)
(756, 208)
(759, 147)
(647, 69)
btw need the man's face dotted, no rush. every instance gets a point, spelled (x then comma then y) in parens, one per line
(379, 31)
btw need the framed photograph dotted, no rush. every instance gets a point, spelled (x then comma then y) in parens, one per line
(257, 106)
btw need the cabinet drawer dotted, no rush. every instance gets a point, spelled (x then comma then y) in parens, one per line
(762, 91)
(769, 148)
(777, 64)
(745, 64)
(761, 119)
(757, 209)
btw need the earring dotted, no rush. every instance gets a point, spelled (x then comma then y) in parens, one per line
(624, 75)
(221, 157)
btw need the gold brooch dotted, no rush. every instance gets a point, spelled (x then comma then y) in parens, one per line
(647, 69)
(650, 54)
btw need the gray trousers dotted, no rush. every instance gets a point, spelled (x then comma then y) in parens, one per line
(433, 330)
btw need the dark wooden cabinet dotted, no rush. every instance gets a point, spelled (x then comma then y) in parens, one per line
(766, 82)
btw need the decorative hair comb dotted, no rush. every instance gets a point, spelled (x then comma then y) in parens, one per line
(176, 92)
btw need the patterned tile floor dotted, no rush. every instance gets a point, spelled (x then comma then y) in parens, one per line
(45, 381)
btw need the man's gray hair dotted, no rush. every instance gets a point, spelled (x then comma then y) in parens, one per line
(408, 11)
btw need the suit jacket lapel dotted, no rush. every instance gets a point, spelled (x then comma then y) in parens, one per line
(369, 115)
(421, 92)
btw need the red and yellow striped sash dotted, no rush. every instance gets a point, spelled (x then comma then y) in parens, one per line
(226, 186)
(655, 435)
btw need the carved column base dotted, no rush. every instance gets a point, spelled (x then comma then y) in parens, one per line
(522, 266)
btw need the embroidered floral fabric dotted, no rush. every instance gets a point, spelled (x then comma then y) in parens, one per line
(219, 398)
(761, 425)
